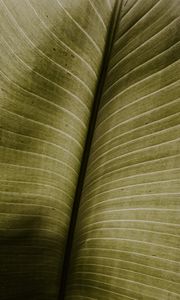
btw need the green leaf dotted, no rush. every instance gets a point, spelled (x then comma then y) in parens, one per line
(51, 53)
(126, 243)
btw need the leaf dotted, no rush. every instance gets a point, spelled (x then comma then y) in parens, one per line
(126, 243)
(51, 53)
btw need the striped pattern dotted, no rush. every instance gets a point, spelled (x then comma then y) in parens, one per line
(51, 52)
(127, 237)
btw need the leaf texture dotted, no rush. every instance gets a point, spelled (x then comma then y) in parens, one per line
(127, 237)
(51, 53)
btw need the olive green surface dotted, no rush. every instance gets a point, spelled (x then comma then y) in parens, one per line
(50, 57)
(127, 238)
